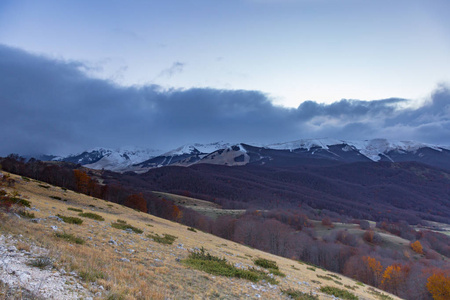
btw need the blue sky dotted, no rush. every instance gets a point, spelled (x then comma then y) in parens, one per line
(81, 74)
(293, 51)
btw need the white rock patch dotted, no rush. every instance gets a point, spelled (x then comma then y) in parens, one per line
(15, 271)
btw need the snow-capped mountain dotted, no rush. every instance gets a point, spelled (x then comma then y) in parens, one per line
(109, 159)
(295, 153)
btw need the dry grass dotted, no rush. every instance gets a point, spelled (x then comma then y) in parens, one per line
(130, 265)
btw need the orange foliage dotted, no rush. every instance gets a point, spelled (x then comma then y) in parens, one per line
(82, 181)
(438, 285)
(394, 277)
(417, 247)
(137, 201)
(375, 268)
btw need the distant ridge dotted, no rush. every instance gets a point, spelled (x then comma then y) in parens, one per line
(305, 151)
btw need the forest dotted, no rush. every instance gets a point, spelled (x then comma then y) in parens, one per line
(285, 208)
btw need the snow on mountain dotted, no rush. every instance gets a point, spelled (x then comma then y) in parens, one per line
(197, 149)
(114, 160)
(373, 149)
(305, 144)
(376, 148)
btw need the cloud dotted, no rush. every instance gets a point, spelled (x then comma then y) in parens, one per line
(52, 106)
(176, 68)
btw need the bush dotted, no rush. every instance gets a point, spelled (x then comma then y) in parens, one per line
(125, 226)
(192, 229)
(55, 197)
(26, 214)
(337, 292)
(299, 295)
(41, 262)
(206, 262)
(167, 239)
(91, 275)
(70, 238)
(265, 263)
(92, 216)
(71, 220)
(75, 209)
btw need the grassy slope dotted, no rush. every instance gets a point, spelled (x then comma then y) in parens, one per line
(206, 208)
(153, 270)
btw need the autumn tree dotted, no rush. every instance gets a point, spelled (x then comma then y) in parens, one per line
(438, 285)
(417, 247)
(394, 278)
(137, 201)
(374, 269)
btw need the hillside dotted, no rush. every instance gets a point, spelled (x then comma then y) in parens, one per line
(121, 264)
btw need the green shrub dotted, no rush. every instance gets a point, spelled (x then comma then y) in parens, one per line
(324, 277)
(299, 295)
(71, 220)
(192, 229)
(166, 239)
(92, 216)
(20, 201)
(335, 276)
(26, 179)
(337, 292)
(379, 295)
(125, 227)
(70, 238)
(91, 275)
(265, 263)
(206, 262)
(41, 262)
(55, 197)
(75, 209)
(26, 214)
(121, 221)
(311, 268)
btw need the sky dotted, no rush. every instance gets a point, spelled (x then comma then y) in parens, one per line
(158, 74)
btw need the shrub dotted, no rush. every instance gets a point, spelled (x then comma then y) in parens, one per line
(379, 295)
(265, 263)
(337, 292)
(192, 229)
(41, 262)
(55, 197)
(92, 216)
(75, 209)
(125, 226)
(166, 239)
(70, 238)
(44, 186)
(91, 275)
(26, 214)
(71, 220)
(299, 295)
(417, 247)
(206, 262)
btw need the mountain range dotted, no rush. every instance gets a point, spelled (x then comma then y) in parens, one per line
(300, 152)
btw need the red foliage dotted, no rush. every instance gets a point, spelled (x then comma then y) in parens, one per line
(137, 201)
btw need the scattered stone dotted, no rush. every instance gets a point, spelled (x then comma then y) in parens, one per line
(123, 259)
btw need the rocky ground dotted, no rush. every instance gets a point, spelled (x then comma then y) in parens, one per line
(27, 272)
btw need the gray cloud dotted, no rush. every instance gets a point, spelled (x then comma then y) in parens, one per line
(50, 106)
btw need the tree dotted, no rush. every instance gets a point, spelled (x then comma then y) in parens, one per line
(417, 247)
(394, 277)
(136, 201)
(438, 285)
(375, 269)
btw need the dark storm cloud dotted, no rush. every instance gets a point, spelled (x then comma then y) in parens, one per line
(50, 106)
